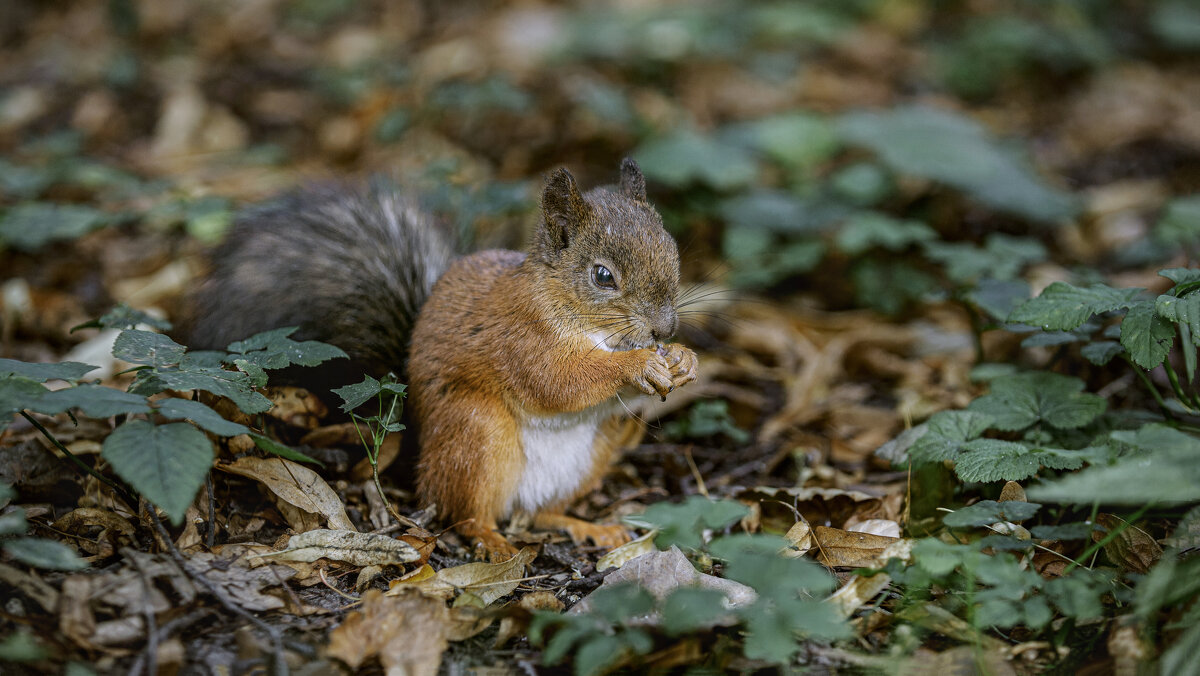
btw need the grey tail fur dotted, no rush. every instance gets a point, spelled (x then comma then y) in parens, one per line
(349, 265)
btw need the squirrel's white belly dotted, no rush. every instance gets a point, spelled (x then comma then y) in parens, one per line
(559, 456)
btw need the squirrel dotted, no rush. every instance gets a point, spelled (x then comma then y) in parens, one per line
(520, 365)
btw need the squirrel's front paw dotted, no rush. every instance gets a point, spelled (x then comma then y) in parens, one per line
(655, 375)
(682, 361)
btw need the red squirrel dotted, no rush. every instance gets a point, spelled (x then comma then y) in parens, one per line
(521, 365)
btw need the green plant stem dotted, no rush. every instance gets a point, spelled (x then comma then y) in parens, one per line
(1107, 538)
(129, 497)
(1150, 386)
(1173, 377)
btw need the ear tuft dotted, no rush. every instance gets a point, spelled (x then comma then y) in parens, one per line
(633, 184)
(563, 209)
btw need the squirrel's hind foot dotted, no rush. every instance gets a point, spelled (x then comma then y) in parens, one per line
(604, 535)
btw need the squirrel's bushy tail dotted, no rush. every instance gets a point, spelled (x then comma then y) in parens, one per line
(349, 265)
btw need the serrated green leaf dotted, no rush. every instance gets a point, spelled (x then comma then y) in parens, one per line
(17, 393)
(956, 150)
(1076, 596)
(200, 414)
(96, 401)
(684, 157)
(1002, 257)
(1018, 401)
(619, 603)
(688, 609)
(1184, 311)
(31, 225)
(67, 370)
(1181, 276)
(987, 512)
(356, 395)
(936, 557)
(123, 317)
(145, 347)
(796, 140)
(271, 446)
(43, 553)
(999, 297)
(233, 385)
(867, 229)
(946, 431)
(682, 524)
(1146, 335)
(1101, 352)
(165, 463)
(995, 460)
(1062, 307)
(256, 373)
(275, 350)
(888, 285)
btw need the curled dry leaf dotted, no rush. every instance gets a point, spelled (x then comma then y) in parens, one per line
(358, 549)
(839, 548)
(295, 485)
(1133, 549)
(407, 631)
(488, 581)
(859, 590)
(884, 527)
(520, 613)
(627, 552)
(800, 539)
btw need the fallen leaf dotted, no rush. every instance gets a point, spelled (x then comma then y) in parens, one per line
(296, 485)
(799, 536)
(627, 552)
(1012, 492)
(407, 631)
(859, 590)
(488, 581)
(839, 548)
(516, 622)
(358, 549)
(1133, 549)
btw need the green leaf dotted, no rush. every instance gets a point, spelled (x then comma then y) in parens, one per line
(706, 419)
(1101, 352)
(1181, 277)
(862, 183)
(600, 653)
(1002, 257)
(868, 229)
(987, 512)
(275, 350)
(764, 210)
(1018, 401)
(619, 603)
(1180, 223)
(271, 446)
(1162, 469)
(995, 460)
(682, 524)
(68, 370)
(43, 553)
(1146, 335)
(31, 225)
(17, 393)
(21, 646)
(938, 558)
(685, 157)
(200, 414)
(1184, 311)
(1064, 307)
(955, 150)
(998, 297)
(796, 140)
(689, 609)
(145, 347)
(233, 385)
(124, 317)
(356, 395)
(1079, 530)
(889, 285)
(13, 521)
(946, 431)
(165, 463)
(96, 401)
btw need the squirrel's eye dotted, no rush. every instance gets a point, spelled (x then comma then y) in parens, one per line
(603, 277)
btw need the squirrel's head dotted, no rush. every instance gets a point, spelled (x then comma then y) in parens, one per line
(608, 252)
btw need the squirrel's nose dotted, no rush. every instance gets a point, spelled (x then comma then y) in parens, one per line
(664, 324)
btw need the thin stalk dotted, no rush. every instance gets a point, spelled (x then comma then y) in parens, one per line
(1173, 378)
(75, 459)
(1150, 386)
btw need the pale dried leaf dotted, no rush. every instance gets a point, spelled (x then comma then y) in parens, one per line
(799, 537)
(407, 632)
(627, 552)
(488, 581)
(1012, 492)
(883, 527)
(358, 549)
(836, 547)
(1133, 549)
(859, 590)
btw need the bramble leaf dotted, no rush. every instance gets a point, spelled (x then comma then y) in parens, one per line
(44, 553)
(1146, 335)
(1185, 311)
(684, 157)
(1063, 307)
(1018, 401)
(200, 414)
(31, 225)
(356, 395)
(233, 385)
(165, 463)
(682, 524)
(96, 401)
(987, 512)
(124, 317)
(868, 229)
(275, 350)
(146, 347)
(945, 433)
(68, 370)
(1100, 352)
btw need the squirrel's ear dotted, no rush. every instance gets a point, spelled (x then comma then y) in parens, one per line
(563, 209)
(633, 184)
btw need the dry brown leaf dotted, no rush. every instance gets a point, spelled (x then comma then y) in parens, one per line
(488, 581)
(297, 486)
(469, 615)
(960, 660)
(1012, 492)
(884, 527)
(859, 590)
(1133, 549)
(520, 613)
(839, 548)
(296, 407)
(407, 631)
(358, 549)
(627, 552)
(1128, 649)
(800, 539)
